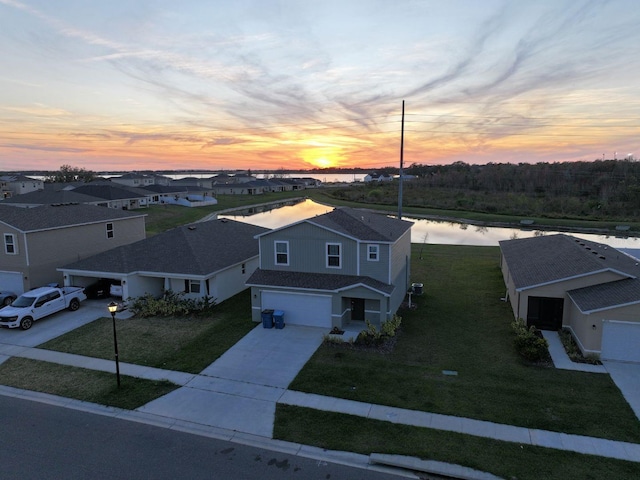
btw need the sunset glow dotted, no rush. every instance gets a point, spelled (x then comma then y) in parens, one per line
(259, 84)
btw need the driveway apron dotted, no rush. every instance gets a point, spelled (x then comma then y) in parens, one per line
(239, 391)
(627, 377)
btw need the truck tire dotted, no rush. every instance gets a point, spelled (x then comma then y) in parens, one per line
(74, 304)
(25, 323)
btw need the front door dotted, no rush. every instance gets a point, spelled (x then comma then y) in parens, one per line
(357, 309)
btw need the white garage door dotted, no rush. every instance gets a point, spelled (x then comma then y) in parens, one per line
(12, 282)
(620, 341)
(300, 309)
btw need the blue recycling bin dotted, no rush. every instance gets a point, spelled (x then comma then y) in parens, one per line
(267, 318)
(278, 319)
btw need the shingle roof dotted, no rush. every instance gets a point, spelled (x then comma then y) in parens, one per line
(197, 249)
(107, 192)
(363, 224)
(314, 281)
(606, 295)
(547, 259)
(50, 197)
(45, 217)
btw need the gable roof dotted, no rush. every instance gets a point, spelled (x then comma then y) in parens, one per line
(363, 224)
(359, 224)
(197, 249)
(107, 192)
(548, 259)
(46, 217)
(315, 281)
(606, 295)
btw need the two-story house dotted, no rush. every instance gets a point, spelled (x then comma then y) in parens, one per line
(36, 241)
(12, 185)
(334, 269)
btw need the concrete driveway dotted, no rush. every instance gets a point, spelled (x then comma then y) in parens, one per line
(239, 391)
(55, 325)
(627, 377)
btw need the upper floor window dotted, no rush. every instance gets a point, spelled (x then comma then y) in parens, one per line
(373, 253)
(282, 252)
(10, 244)
(334, 256)
(109, 230)
(244, 268)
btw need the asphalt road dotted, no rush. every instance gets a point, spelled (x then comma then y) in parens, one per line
(41, 441)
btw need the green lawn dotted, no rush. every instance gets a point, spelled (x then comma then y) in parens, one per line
(462, 325)
(335, 431)
(81, 384)
(183, 344)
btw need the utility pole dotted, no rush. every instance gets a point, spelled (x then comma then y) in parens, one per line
(401, 160)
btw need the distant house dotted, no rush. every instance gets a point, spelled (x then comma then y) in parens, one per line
(134, 180)
(113, 196)
(49, 196)
(38, 240)
(11, 185)
(378, 177)
(340, 268)
(592, 289)
(213, 258)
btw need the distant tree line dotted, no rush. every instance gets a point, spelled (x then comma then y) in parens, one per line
(603, 189)
(68, 174)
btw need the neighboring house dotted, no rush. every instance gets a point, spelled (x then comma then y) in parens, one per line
(134, 180)
(114, 196)
(50, 196)
(213, 258)
(343, 267)
(378, 177)
(12, 185)
(35, 241)
(592, 289)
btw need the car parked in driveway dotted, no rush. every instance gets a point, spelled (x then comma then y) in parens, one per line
(39, 303)
(6, 298)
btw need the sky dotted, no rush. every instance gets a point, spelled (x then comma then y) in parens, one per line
(299, 84)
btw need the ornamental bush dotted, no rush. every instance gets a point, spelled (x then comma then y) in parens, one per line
(170, 304)
(528, 343)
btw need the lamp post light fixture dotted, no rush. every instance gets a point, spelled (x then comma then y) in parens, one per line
(113, 308)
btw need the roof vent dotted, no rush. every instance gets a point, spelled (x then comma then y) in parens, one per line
(594, 252)
(191, 227)
(602, 257)
(588, 248)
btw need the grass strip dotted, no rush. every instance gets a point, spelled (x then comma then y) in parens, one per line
(334, 431)
(82, 384)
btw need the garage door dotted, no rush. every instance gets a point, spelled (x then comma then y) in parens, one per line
(620, 341)
(12, 282)
(300, 309)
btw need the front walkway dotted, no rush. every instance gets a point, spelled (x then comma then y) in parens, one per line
(560, 358)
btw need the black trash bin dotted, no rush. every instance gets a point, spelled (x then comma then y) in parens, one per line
(267, 318)
(278, 319)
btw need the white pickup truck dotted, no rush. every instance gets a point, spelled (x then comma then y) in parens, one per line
(39, 303)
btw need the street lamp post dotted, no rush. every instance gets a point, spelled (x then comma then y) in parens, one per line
(113, 308)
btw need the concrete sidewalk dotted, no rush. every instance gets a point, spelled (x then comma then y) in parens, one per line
(560, 358)
(216, 404)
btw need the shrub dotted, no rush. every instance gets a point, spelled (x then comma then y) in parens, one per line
(529, 344)
(170, 304)
(374, 337)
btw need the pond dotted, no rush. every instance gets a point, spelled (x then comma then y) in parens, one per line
(423, 231)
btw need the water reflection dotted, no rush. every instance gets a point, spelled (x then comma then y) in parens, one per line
(426, 231)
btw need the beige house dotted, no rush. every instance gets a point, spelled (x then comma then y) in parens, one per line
(592, 289)
(36, 241)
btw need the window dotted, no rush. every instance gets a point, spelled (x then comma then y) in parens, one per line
(109, 230)
(373, 253)
(333, 255)
(282, 253)
(192, 286)
(244, 269)
(10, 244)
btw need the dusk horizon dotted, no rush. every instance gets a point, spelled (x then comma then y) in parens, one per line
(290, 85)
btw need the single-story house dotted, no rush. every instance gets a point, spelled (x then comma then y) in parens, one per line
(561, 281)
(212, 258)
